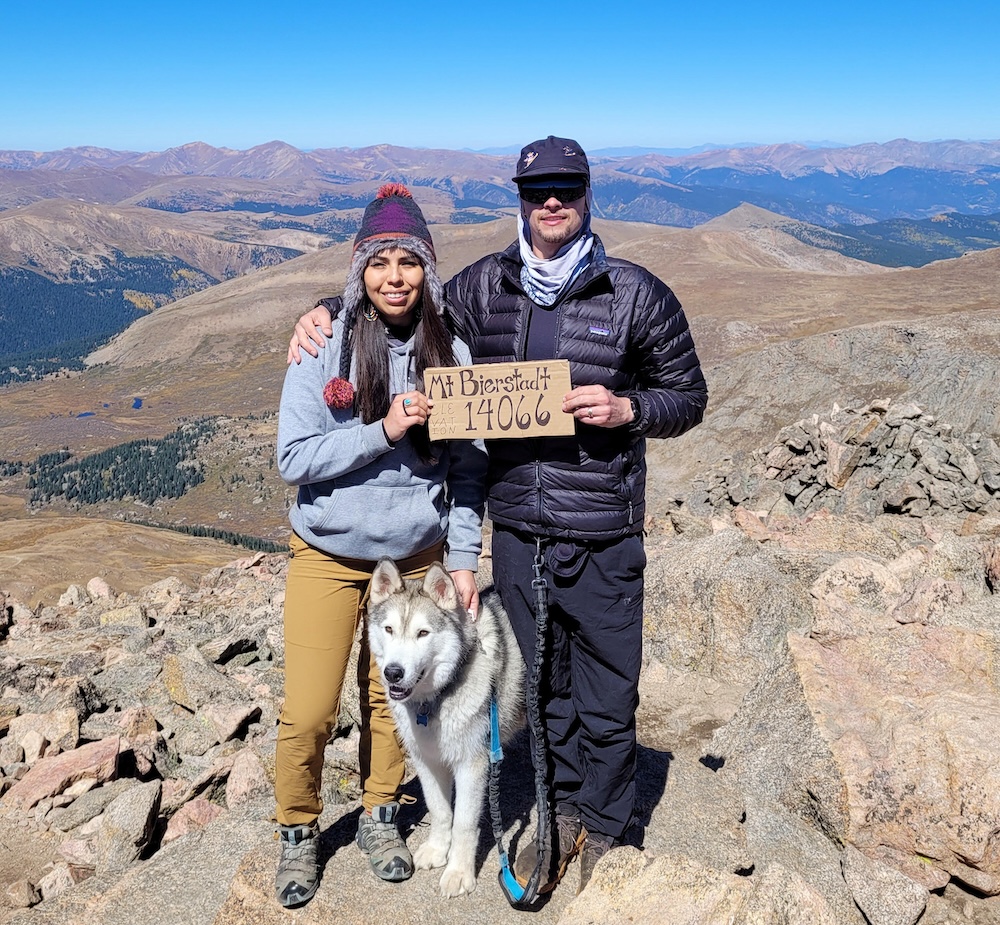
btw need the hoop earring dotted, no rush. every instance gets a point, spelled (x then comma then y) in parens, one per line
(370, 313)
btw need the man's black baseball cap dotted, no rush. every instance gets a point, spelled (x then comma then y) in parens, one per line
(552, 157)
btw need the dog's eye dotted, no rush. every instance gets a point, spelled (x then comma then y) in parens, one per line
(423, 633)
(388, 631)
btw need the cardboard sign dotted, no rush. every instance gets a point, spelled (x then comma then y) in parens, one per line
(497, 400)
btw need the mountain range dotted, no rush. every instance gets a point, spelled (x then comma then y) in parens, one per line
(102, 236)
(826, 186)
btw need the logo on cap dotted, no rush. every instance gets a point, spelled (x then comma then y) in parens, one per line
(528, 158)
(568, 151)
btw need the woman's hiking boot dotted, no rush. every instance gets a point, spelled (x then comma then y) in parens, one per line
(298, 869)
(379, 838)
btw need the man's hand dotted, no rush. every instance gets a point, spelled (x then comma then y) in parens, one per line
(308, 336)
(594, 404)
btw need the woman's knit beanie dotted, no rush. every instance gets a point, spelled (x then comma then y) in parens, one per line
(392, 220)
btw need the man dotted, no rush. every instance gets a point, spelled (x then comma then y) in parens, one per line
(577, 502)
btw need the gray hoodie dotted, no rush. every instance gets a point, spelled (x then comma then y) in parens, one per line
(362, 498)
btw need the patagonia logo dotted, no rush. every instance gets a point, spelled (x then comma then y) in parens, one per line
(601, 332)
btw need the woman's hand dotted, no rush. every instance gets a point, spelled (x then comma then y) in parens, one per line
(468, 593)
(308, 336)
(408, 409)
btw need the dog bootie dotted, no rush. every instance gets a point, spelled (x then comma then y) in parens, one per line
(379, 838)
(298, 869)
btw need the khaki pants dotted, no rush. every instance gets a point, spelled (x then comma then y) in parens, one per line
(324, 600)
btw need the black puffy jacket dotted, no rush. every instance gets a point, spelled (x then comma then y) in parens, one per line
(620, 327)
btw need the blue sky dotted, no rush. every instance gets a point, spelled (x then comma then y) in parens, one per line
(140, 76)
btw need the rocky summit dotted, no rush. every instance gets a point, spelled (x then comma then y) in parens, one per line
(820, 702)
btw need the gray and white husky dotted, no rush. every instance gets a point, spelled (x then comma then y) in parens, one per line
(441, 669)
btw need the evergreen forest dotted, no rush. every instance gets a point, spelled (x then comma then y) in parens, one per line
(141, 470)
(46, 326)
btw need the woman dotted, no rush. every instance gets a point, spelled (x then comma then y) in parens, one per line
(352, 436)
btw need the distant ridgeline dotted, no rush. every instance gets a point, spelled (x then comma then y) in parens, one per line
(903, 242)
(48, 325)
(899, 204)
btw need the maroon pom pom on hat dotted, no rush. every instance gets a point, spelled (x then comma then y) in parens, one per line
(338, 393)
(393, 214)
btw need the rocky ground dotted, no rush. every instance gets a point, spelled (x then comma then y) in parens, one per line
(818, 726)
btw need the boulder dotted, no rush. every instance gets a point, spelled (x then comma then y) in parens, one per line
(885, 742)
(720, 606)
(127, 827)
(51, 776)
(674, 890)
(883, 894)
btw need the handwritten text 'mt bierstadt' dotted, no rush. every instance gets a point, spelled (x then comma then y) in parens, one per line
(498, 400)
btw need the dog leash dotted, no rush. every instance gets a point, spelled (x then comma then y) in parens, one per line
(522, 897)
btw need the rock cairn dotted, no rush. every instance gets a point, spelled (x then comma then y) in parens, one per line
(883, 458)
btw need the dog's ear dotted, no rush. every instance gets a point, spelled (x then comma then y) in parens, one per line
(386, 580)
(440, 588)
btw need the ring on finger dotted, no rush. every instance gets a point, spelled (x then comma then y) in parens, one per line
(590, 412)
(406, 406)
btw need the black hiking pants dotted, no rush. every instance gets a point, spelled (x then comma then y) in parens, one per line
(590, 684)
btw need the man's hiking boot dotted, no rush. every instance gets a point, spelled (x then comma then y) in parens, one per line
(379, 838)
(569, 838)
(594, 848)
(298, 869)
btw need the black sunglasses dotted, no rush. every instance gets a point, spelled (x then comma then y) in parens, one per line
(564, 194)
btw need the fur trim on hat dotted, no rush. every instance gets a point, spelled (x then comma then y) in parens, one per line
(354, 290)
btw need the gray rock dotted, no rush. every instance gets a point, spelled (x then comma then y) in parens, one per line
(127, 827)
(127, 681)
(674, 890)
(883, 894)
(701, 816)
(22, 894)
(131, 615)
(191, 682)
(60, 727)
(720, 606)
(74, 596)
(58, 880)
(89, 805)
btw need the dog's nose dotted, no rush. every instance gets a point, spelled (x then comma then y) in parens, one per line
(394, 673)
